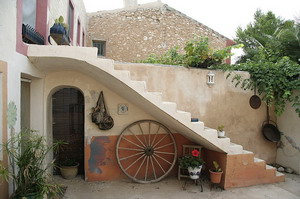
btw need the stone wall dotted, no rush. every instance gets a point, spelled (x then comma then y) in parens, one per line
(133, 34)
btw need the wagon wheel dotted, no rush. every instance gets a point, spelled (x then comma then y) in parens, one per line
(146, 151)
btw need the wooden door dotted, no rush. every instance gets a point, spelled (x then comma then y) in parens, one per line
(68, 124)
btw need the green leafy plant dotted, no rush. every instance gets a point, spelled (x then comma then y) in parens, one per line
(68, 162)
(197, 54)
(194, 160)
(221, 128)
(28, 150)
(217, 167)
(60, 20)
(171, 57)
(272, 57)
(278, 82)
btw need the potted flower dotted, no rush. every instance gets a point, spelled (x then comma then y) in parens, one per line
(216, 173)
(59, 32)
(27, 152)
(193, 163)
(69, 168)
(221, 132)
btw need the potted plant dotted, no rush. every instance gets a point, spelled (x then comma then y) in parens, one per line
(27, 151)
(59, 32)
(221, 132)
(69, 168)
(193, 163)
(216, 173)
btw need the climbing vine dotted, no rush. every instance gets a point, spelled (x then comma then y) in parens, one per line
(277, 82)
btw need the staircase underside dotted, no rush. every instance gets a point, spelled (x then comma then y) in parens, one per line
(236, 161)
(84, 60)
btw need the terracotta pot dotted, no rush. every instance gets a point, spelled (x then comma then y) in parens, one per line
(215, 177)
(69, 172)
(194, 172)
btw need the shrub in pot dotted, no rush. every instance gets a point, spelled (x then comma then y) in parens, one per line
(27, 153)
(216, 173)
(59, 32)
(69, 168)
(193, 163)
(221, 132)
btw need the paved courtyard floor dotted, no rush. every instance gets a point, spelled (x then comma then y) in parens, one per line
(171, 188)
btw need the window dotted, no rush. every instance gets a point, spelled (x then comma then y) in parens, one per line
(29, 12)
(78, 33)
(101, 47)
(71, 19)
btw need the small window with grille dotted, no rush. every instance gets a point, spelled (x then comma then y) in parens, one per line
(101, 45)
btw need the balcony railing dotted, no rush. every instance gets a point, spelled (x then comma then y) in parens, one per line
(31, 36)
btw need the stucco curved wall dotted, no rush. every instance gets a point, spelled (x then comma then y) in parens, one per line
(91, 89)
(100, 162)
(220, 104)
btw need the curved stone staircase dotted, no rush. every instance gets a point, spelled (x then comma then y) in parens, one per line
(84, 60)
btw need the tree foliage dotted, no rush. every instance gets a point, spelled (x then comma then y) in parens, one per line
(277, 37)
(272, 56)
(278, 82)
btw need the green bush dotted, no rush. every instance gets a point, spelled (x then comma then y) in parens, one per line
(28, 150)
(197, 54)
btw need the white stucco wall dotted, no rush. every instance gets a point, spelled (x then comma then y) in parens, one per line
(289, 124)
(91, 89)
(18, 64)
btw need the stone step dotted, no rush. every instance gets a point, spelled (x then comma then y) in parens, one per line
(197, 127)
(247, 152)
(212, 133)
(235, 148)
(122, 75)
(183, 117)
(169, 107)
(154, 97)
(139, 86)
(268, 167)
(259, 162)
(106, 65)
(279, 174)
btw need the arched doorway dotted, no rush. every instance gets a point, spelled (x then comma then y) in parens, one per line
(68, 124)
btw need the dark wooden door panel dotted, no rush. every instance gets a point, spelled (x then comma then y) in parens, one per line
(68, 124)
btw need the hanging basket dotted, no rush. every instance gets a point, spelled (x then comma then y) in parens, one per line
(100, 114)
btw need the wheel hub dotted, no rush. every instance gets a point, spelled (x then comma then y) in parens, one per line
(149, 151)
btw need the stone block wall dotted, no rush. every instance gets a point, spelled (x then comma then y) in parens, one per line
(133, 34)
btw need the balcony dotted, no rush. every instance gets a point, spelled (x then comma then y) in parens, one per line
(31, 36)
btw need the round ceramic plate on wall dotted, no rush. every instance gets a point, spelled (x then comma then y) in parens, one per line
(122, 109)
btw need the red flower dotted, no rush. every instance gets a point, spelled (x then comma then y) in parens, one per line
(195, 153)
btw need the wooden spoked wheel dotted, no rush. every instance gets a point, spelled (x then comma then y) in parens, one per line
(146, 151)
